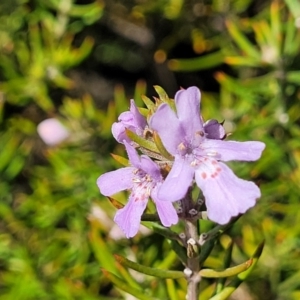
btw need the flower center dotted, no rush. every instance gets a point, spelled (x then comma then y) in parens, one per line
(188, 146)
(143, 184)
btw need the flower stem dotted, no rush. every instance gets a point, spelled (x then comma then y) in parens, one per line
(193, 263)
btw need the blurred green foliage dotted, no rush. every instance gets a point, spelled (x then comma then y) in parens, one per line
(56, 230)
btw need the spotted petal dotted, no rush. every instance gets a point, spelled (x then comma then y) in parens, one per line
(129, 217)
(225, 194)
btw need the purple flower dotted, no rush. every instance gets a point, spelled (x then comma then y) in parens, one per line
(198, 152)
(143, 178)
(132, 120)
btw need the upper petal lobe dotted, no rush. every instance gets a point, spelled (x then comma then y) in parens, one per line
(168, 127)
(188, 111)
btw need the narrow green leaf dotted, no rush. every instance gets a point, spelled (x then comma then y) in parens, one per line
(241, 61)
(209, 273)
(235, 87)
(206, 250)
(163, 151)
(141, 141)
(293, 77)
(242, 41)
(233, 285)
(115, 203)
(150, 104)
(276, 24)
(172, 290)
(150, 217)
(199, 63)
(166, 232)
(290, 36)
(228, 253)
(144, 111)
(88, 12)
(255, 258)
(128, 277)
(218, 230)
(11, 145)
(161, 93)
(179, 250)
(122, 285)
(227, 261)
(121, 101)
(147, 270)
(120, 159)
(140, 89)
(100, 248)
(294, 7)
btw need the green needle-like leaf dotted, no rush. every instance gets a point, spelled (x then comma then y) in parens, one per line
(150, 217)
(161, 93)
(227, 261)
(294, 7)
(232, 286)
(242, 41)
(141, 141)
(115, 203)
(169, 234)
(148, 102)
(206, 250)
(209, 273)
(147, 270)
(124, 286)
(163, 151)
(120, 159)
(164, 97)
(199, 63)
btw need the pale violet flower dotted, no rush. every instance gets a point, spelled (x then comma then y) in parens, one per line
(198, 150)
(132, 120)
(143, 178)
(52, 131)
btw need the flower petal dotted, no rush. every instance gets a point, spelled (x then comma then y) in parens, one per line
(177, 182)
(118, 132)
(132, 155)
(168, 127)
(225, 194)
(133, 120)
(139, 120)
(166, 211)
(128, 218)
(188, 111)
(151, 168)
(231, 150)
(115, 181)
(214, 130)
